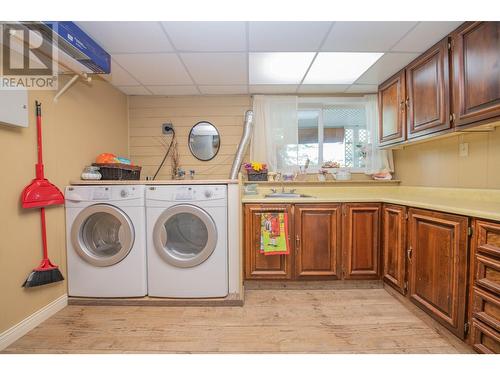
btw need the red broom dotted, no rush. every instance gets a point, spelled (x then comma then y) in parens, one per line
(40, 193)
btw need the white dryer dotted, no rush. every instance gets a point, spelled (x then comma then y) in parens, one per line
(187, 241)
(106, 241)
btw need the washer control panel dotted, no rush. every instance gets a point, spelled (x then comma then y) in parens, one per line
(103, 193)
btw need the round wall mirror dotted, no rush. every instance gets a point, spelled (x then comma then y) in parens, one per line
(204, 141)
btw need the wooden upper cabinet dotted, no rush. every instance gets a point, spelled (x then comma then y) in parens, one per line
(428, 92)
(360, 232)
(317, 236)
(438, 266)
(394, 246)
(257, 265)
(476, 72)
(392, 111)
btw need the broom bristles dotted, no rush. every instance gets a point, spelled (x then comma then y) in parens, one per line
(42, 277)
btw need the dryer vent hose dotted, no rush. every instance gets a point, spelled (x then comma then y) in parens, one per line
(245, 139)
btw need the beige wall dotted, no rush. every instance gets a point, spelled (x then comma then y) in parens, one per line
(437, 163)
(147, 113)
(88, 120)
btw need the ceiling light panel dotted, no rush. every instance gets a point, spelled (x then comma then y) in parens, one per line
(340, 68)
(278, 67)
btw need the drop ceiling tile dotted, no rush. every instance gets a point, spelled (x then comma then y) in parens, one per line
(365, 36)
(119, 76)
(362, 89)
(322, 89)
(278, 67)
(385, 67)
(286, 36)
(217, 68)
(173, 90)
(224, 90)
(207, 36)
(128, 37)
(424, 36)
(133, 90)
(273, 89)
(155, 69)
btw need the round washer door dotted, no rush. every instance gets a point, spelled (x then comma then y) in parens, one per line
(102, 235)
(185, 235)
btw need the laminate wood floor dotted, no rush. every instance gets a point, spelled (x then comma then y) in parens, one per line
(290, 321)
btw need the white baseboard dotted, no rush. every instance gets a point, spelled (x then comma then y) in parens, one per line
(23, 327)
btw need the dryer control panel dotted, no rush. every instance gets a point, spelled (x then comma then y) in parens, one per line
(187, 193)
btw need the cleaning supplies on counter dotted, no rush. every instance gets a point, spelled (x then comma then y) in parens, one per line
(342, 174)
(274, 233)
(114, 167)
(91, 173)
(107, 158)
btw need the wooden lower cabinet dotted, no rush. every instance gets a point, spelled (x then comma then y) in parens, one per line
(361, 226)
(257, 265)
(317, 241)
(438, 266)
(394, 246)
(485, 285)
(485, 339)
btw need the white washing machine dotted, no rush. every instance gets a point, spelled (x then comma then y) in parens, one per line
(187, 241)
(106, 241)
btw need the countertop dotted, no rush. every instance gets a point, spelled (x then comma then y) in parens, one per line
(155, 182)
(481, 203)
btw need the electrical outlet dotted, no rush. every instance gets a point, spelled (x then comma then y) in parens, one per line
(463, 150)
(167, 128)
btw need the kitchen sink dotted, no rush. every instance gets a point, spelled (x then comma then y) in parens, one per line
(287, 195)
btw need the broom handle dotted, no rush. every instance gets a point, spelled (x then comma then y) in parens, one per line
(39, 166)
(44, 234)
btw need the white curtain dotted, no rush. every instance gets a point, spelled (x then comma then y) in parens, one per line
(275, 132)
(377, 161)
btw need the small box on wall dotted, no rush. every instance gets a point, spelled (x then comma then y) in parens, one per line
(14, 107)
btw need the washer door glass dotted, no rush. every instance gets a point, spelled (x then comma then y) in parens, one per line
(185, 235)
(102, 235)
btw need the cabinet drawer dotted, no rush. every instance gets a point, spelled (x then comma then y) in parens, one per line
(488, 238)
(486, 308)
(488, 273)
(485, 339)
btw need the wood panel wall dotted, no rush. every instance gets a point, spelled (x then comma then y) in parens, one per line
(147, 113)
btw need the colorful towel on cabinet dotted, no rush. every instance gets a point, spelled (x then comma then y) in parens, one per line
(274, 234)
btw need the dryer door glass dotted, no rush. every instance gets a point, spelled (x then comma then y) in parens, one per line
(185, 235)
(102, 235)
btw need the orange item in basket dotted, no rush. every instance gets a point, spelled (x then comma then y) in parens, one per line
(106, 158)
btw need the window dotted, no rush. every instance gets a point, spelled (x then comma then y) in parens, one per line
(334, 130)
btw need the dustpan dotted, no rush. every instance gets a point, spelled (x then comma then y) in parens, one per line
(40, 192)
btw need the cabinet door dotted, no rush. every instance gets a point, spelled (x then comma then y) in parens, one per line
(438, 266)
(317, 241)
(392, 111)
(476, 67)
(394, 246)
(257, 265)
(427, 89)
(360, 232)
